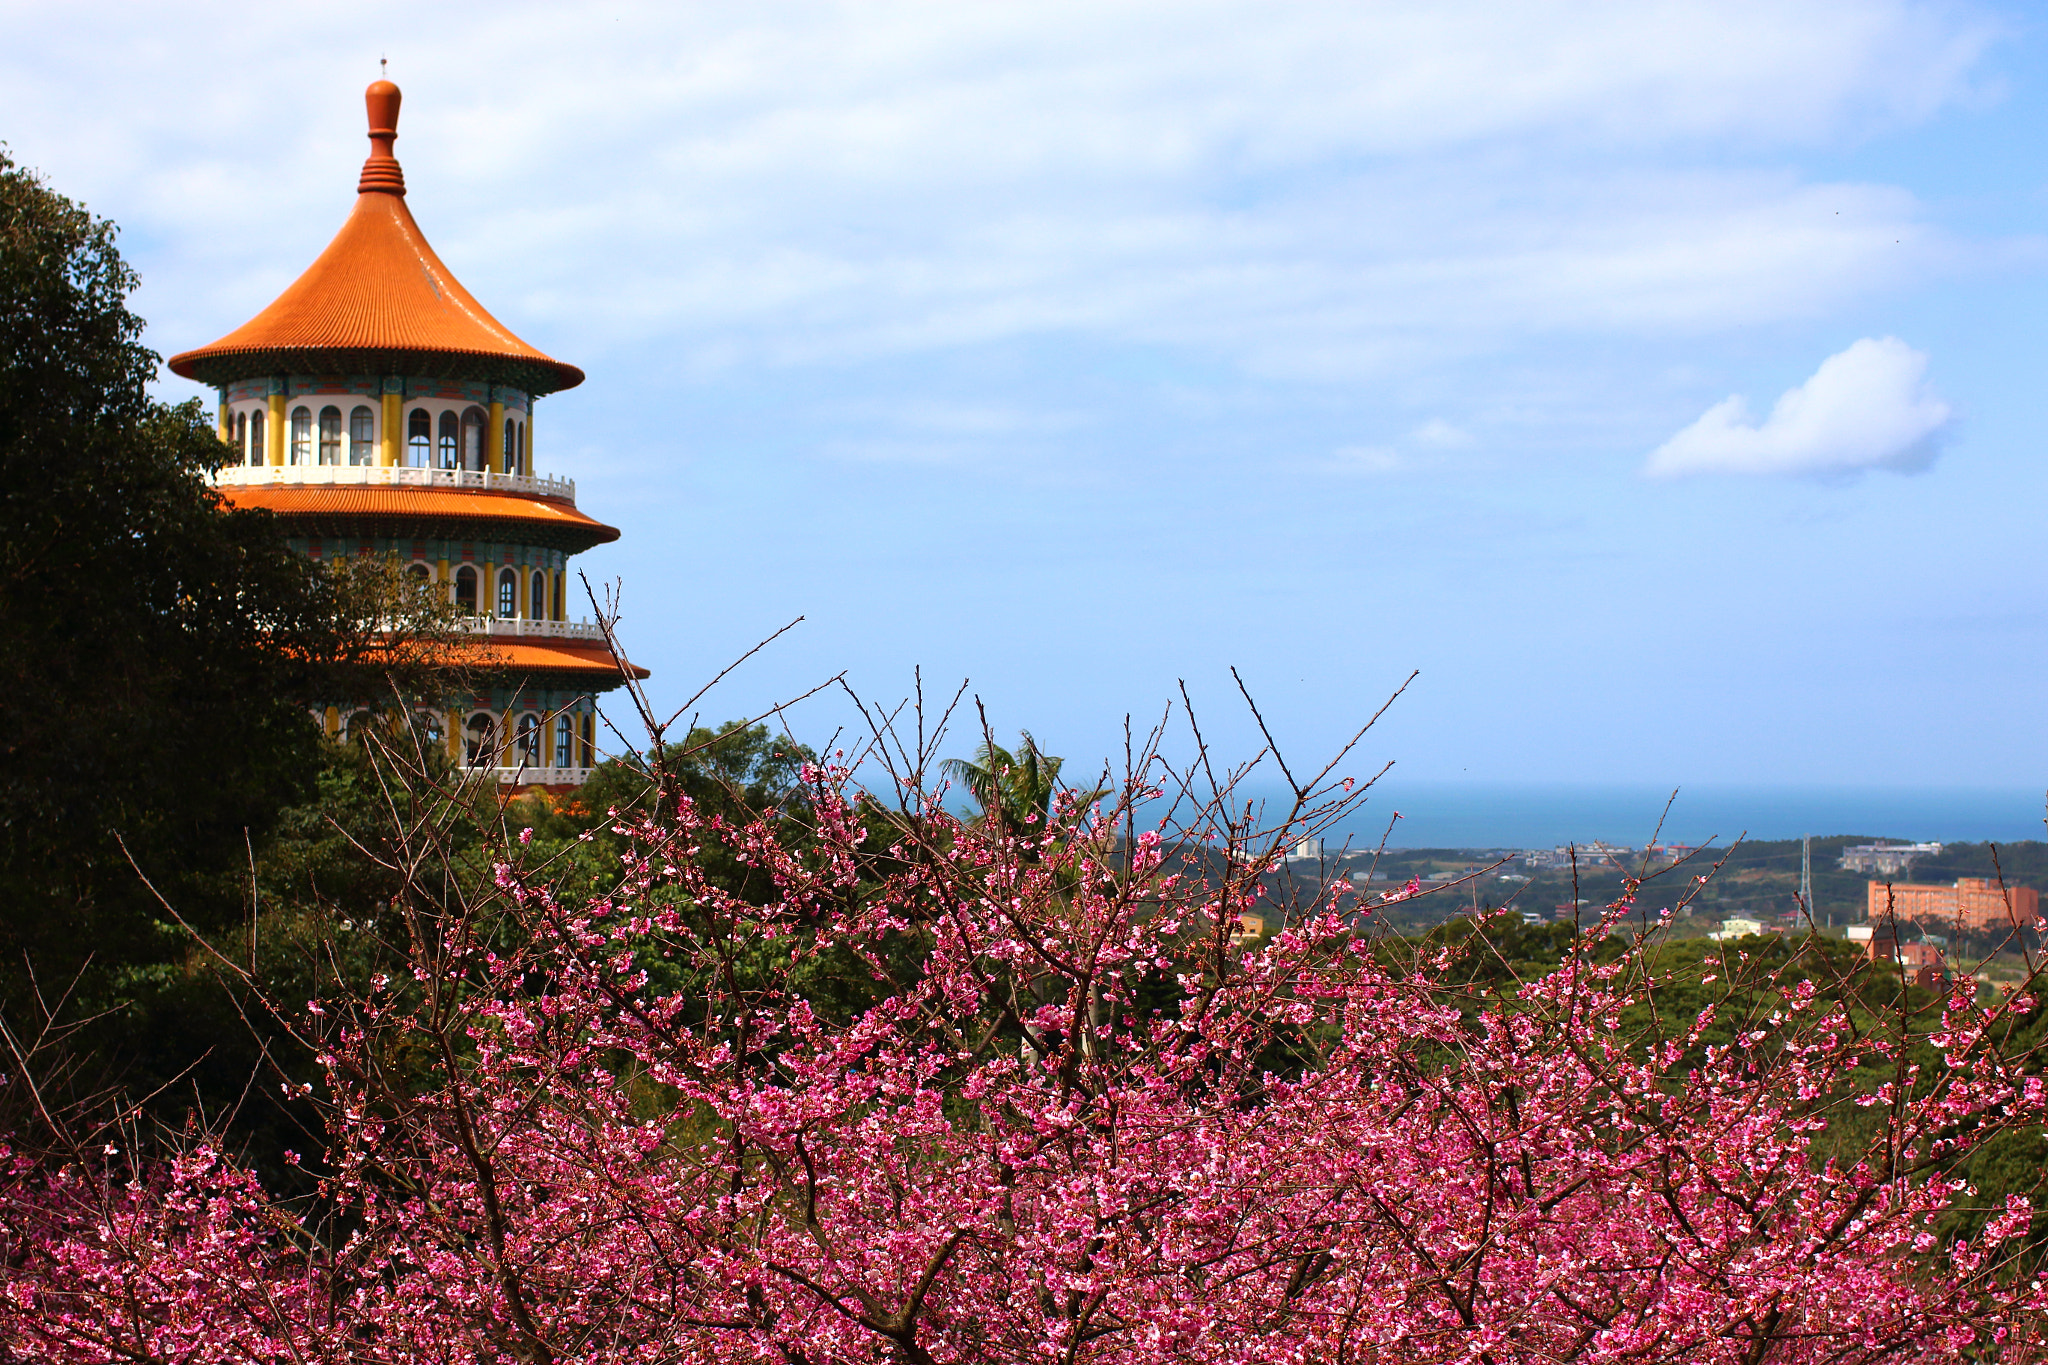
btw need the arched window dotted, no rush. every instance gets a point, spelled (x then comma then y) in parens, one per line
(465, 590)
(330, 435)
(529, 740)
(479, 741)
(565, 740)
(473, 423)
(302, 436)
(449, 427)
(419, 573)
(587, 755)
(257, 453)
(238, 432)
(362, 437)
(419, 438)
(356, 727)
(537, 597)
(508, 594)
(511, 445)
(561, 597)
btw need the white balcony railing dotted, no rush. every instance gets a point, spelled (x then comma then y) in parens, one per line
(537, 777)
(520, 626)
(393, 476)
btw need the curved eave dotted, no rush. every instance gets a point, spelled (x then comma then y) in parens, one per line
(221, 366)
(591, 664)
(444, 514)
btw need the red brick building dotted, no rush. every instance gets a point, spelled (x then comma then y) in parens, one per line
(1972, 905)
(1922, 964)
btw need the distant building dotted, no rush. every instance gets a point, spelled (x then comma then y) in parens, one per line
(1886, 860)
(1307, 850)
(1922, 964)
(1740, 926)
(1590, 854)
(1971, 904)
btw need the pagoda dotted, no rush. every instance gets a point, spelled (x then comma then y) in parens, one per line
(378, 409)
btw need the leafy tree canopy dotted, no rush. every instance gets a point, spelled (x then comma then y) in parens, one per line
(161, 648)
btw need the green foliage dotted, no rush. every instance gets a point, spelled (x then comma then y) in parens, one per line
(163, 653)
(732, 772)
(1013, 790)
(161, 648)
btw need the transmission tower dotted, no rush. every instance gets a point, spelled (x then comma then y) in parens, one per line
(1806, 876)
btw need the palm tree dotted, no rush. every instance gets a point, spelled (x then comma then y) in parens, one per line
(1014, 790)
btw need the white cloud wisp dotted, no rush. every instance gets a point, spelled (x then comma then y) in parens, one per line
(1319, 193)
(1868, 407)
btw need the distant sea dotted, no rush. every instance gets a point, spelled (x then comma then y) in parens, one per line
(1459, 815)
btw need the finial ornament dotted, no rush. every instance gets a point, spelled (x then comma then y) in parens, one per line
(381, 172)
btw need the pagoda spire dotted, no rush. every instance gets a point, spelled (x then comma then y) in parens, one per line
(381, 173)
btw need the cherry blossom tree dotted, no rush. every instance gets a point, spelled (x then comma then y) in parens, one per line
(1059, 1112)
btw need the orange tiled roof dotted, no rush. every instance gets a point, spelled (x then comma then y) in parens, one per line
(550, 657)
(555, 522)
(597, 664)
(378, 301)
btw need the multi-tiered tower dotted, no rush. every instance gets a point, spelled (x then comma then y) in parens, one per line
(379, 409)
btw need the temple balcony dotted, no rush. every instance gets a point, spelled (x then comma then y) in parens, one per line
(395, 476)
(532, 777)
(520, 626)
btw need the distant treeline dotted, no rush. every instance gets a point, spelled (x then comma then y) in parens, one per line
(2022, 863)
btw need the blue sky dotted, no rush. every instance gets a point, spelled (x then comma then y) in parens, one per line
(1078, 349)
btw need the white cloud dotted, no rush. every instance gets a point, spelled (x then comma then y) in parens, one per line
(1868, 407)
(1314, 191)
(1366, 460)
(1440, 434)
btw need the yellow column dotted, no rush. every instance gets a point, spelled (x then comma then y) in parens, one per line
(391, 450)
(227, 421)
(455, 734)
(496, 453)
(333, 721)
(273, 431)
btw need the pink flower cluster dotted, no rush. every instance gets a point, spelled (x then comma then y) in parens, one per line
(1067, 1120)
